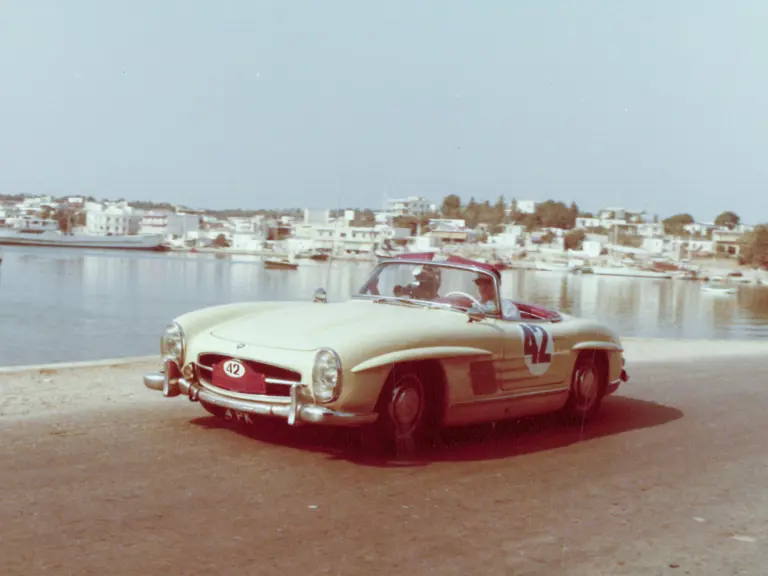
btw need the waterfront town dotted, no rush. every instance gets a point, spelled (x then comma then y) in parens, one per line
(544, 235)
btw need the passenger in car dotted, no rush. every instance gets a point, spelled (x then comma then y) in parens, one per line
(488, 298)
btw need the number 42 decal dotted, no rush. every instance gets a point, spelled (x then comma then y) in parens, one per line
(537, 347)
(234, 369)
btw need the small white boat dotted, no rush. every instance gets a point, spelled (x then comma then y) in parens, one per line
(718, 285)
(553, 266)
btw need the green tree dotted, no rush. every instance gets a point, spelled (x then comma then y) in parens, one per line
(728, 219)
(556, 214)
(451, 207)
(486, 214)
(499, 213)
(514, 213)
(471, 213)
(364, 218)
(64, 218)
(624, 238)
(530, 221)
(574, 240)
(754, 247)
(573, 213)
(548, 238)
(674, 225)
(410, 222)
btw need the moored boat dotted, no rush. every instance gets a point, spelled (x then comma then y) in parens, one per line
(553, 266)
(279, 264)
(629, 271)
(718, 285)
(312, 254)
(49, 237)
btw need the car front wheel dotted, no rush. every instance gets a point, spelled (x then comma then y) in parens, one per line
(403, 421)
(587, 389)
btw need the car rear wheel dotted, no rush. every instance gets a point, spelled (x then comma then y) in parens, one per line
(587, 388)
(403, 422)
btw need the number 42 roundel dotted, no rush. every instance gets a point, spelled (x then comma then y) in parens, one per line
(538, 348)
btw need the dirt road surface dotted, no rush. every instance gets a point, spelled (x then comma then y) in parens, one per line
(672, 478)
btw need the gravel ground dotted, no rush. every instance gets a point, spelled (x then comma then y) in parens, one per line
(102, 475)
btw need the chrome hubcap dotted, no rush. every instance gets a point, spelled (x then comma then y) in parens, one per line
(586, 388)
(406, 405)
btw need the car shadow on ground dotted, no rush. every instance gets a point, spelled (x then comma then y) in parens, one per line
(505, 439)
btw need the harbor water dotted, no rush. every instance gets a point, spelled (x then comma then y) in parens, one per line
(66, 305)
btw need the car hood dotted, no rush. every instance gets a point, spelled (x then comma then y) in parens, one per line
(309, 326)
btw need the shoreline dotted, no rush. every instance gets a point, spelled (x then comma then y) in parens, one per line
(102, 363)
(636, 350)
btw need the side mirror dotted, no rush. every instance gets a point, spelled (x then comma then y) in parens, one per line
(475, 314)
(321, 295)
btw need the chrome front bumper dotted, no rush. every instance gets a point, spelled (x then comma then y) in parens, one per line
(295, 411)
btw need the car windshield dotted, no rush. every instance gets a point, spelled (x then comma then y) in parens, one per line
(433, 284)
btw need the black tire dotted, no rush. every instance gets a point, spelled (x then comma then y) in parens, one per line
(588, 381)
(406, 421)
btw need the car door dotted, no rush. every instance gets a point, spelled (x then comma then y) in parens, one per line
(533, 361)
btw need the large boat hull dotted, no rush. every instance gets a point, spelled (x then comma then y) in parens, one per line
(55, 239)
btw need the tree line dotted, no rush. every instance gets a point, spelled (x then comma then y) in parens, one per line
(494, 216)
(675, 224)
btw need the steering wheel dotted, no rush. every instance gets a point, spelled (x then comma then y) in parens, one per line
(465, 295)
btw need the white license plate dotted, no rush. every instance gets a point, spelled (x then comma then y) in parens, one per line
(237, 416)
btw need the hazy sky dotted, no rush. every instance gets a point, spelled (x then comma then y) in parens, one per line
(660, 105)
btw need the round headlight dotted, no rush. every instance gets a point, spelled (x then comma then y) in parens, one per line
(172, 343)
(326, 375)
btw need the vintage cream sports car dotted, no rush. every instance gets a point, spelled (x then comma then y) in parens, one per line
(427, 342)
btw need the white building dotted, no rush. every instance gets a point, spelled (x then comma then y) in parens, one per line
(248, 233)
(649, 229)
(340, 237)
(699, 228)
(170, 224)
(592, 248)
(619, 214)
(727, 241)
(411, 206)
(654, 245)
(30, 206)
(246, 225)
(453, 223)
(114, 219)
(513, 236)
(625, 220)
(320, 217)
(526, 206)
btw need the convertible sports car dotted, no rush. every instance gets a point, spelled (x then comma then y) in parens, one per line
(427, 342)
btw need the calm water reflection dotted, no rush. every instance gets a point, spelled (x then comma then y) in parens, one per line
(66, 305)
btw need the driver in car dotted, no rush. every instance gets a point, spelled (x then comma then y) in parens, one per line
(488, 298)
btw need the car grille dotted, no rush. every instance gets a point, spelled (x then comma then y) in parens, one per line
(278, 379)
